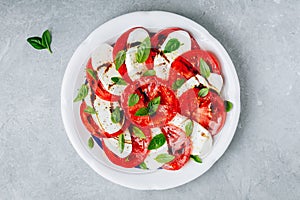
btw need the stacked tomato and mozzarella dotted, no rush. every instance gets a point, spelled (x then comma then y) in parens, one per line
(167, 69)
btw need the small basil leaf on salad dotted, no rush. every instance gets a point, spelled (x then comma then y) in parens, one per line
(90, 110)
(196, 158)
(92, 73)
(157, 141)
(120, 59)
(121, 142)
(143, 166)
(150, 72)
(46, 40)
(172, 45)
(116, 115)
(204, 69)
(203, 92)
(143, 51)
(82, 93)
(142, 112)
(91, 143)
(164, 158)
(118, 81)
(177, 84)
(153, 105)
(189, 128)
(133, 99)
(228, 106)
(138, 132)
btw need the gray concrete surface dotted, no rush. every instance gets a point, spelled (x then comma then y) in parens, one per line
(37, 160)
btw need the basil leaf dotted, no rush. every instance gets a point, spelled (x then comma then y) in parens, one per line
(143, 51)
(90, 110)
(118, 81)
(121, 142)
(143, 165)
(164, 158)
(116, 115)
(153, 105)
(92, 73)
(82, 93)
(120, 59)
(189, 128)
(177, 84)
(150, 72)
(196, 158)
(203, 92)
(142, 112)
(46, 40)
(36, 42)
(228, 106)
(138, 132)
(172, 45)
(127, 159)
(204, 69)
(157, 141)
(133, 99)
(91, 143)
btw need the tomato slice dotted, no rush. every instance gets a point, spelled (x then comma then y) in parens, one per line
(209, 111)
(149, 88)
(138, 154)
(179, 146)
(92, 82)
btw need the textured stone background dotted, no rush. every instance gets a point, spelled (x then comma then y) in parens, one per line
(37, 160)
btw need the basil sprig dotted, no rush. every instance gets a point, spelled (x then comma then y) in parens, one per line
(204, 69)
(172, 45)
(82, 93)
(228, 106)
(43, 42)
(120, 59)
(91, 143)
(196, 158)
(150, 109)
(177, 84)
(116, 115)
(133, 99)
(164, 158)
(203, 92)
(138, 132)
(118, 81)
(157, 141)
(143, 51)
(90, 110)
(121, 142)
(189, 128)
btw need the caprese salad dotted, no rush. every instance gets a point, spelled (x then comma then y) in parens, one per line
(153, 99)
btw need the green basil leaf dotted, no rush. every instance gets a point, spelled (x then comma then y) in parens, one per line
(157, 141)
(120, 59)
(92, 73)
(150, 72)
(203, 92)
(133, 99)
(91, 143)
(142, 112)
(204, 69)
(36, 42)
(121, 142)
(90, 110)
(153, 105)
(143, 51)
(118, 81)
(189, 128)
(143, 166)
(228, 106)
(172, 45)
(138, 132)
(116, 115)
(196, 158)
(177, 84)
(46, 40)
(82, 93)
(164, 158)
(127, 159)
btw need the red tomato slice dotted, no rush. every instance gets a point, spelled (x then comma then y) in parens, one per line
(209, 111)
(138, 154)
(179, 146)
(148, 88)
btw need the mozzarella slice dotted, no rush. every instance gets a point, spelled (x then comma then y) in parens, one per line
(216, 81)
(102, 55)
(191, 83)
(134, 69)
(150, 161)
(104, 111)
(113, 145)
(162, 64)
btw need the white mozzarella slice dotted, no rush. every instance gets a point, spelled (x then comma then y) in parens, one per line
(150, 161)
(179, 121)
(216, 81)
(162, 65)
(134, 69)
(113, 145)
(102, 55)
(191, 83)
(103, 117)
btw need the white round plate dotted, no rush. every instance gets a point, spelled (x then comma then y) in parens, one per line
(78, 135)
